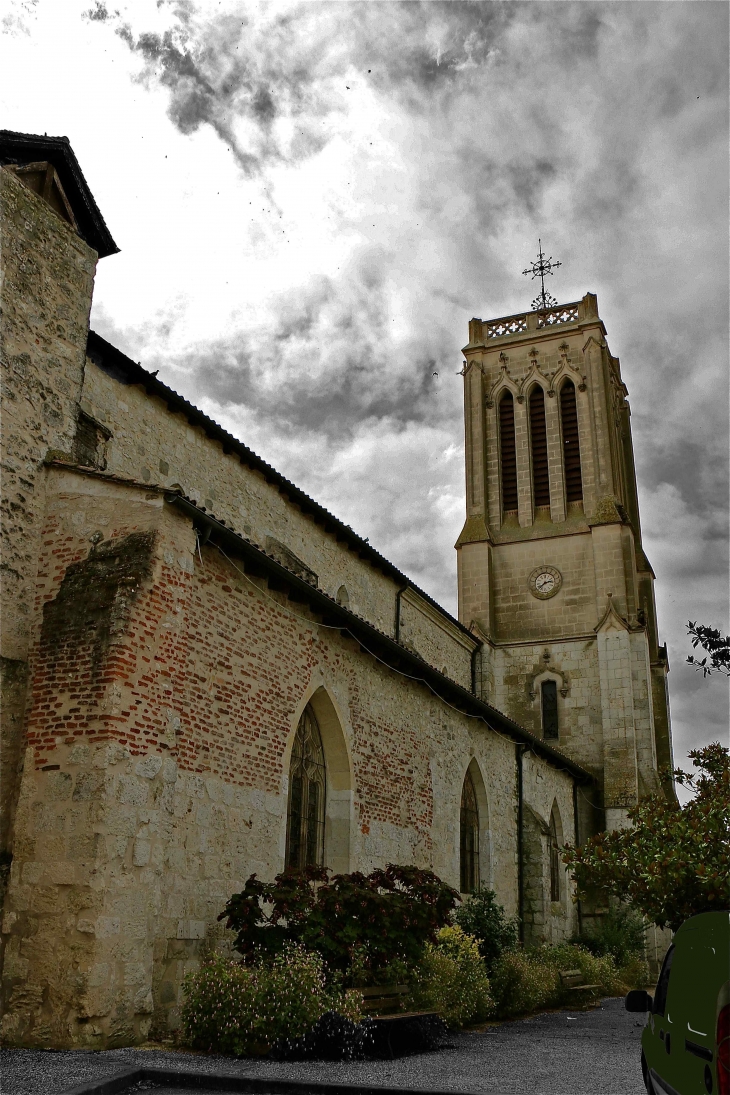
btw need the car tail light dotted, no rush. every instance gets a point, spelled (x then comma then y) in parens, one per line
(723, 1051)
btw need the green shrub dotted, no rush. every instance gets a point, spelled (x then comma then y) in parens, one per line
(243, 1010)
(598, 970)
(621, 932)
(634, 974)
(452, 980)
(485, 920)
(523, 982)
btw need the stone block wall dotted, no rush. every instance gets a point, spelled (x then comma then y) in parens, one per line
(47, 280)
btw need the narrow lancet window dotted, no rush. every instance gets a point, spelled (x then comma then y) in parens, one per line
(571, 445)
(469, 831)
(554, 861)
(508, 454)
(307, 789)
(549, 702)
(538, 444)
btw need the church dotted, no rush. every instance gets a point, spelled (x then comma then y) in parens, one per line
(206, 674)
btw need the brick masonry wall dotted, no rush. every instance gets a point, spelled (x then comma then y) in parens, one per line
(156, 775)
(47, 279)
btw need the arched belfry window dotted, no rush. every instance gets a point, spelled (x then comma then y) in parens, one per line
(307, 790)
(549, 705)
(571, 445)
(469, 834)
(539, 449)
(554, 861)
(507, 452)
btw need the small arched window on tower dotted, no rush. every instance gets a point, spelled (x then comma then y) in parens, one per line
(549, 706)
(571, 444)
(508, 453)
(307, 790)
(554, 861)
(539, 449)
(469, 837)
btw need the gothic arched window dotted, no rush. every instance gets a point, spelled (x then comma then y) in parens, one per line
(554, 861)
(571, 445)
(307, 790)
(469, 834)
(549, 704)
(508, 453)
(538, 445)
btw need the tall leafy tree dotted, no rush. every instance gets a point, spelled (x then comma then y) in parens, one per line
(674, 861)
(716, 647)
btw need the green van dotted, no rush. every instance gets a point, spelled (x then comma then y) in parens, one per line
(686, 1041)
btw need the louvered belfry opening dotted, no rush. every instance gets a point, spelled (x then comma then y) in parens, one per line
(538, 443)
(508, 452)
(571, 445)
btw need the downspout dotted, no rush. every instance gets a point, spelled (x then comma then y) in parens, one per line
(519, 751)
(578, 906)
(475, 652)
(397, 612)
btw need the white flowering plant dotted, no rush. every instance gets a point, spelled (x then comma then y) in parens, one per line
(244, 1010)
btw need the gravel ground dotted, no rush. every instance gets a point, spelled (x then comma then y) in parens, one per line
(595, 1052)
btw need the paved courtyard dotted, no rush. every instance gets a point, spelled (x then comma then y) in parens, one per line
(593, 1052)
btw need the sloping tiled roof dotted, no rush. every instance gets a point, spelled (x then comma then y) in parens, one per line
(23, 148)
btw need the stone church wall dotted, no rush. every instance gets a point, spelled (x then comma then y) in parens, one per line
(167, 687)
(47, 279)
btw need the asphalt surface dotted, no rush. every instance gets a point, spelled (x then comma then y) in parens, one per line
(594, 1052)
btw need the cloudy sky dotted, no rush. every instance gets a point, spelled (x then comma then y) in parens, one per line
(312, 199)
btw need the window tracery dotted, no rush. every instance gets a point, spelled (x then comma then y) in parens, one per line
(307, 791)
(469, 837)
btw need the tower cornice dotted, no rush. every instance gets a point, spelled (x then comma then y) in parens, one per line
(488, 334)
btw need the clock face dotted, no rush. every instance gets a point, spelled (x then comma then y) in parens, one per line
(544, 582)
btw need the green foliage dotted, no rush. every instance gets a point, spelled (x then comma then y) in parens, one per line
(521, 983)
(527, 981)
(598, 970)
(244, 1010)
(485, 920)
(620, 933)
(675, 861)
(716, 646)
(452, 980)
(634, 973)
(370, 920)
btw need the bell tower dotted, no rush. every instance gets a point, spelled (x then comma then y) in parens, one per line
(551, 572)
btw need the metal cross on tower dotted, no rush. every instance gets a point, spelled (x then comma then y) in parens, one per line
(539, 269)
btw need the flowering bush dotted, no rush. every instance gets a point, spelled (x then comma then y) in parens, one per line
(452, 979)
(230, 1008)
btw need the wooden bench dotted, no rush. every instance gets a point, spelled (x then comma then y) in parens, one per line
(383, 999)
(572, 980)
(396, 1032)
